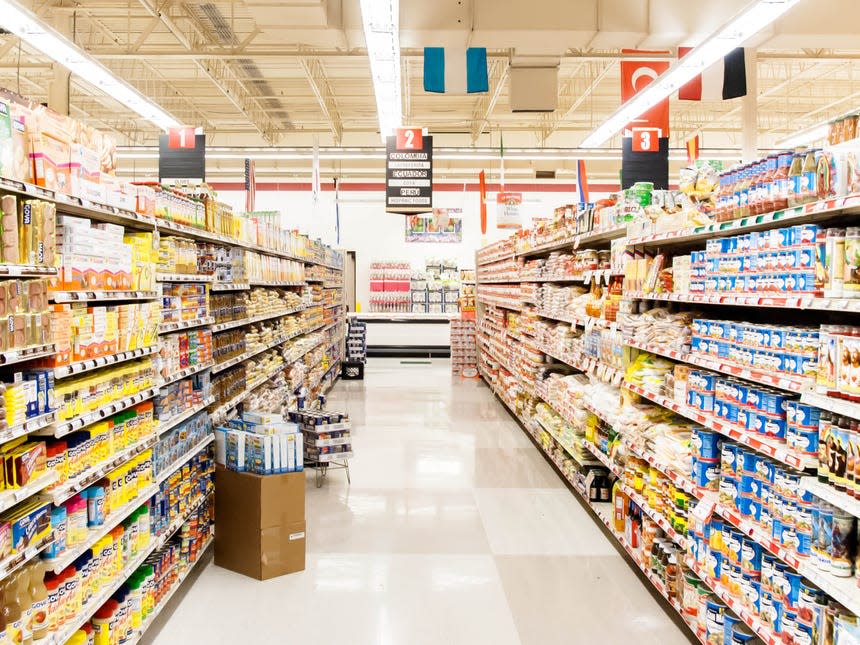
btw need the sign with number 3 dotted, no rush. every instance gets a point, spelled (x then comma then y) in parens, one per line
(646, 139)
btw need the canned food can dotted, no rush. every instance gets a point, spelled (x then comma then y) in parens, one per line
(728, 458)
(706, 444)
(751, 553)
(728, 491)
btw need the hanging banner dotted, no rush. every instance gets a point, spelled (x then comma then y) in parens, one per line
(508, 207)
(182, 157)
(315, 172)
(645, 140)
(482, 184)
(441, 227)
(250, 185)
(636, 75)
(409, 172)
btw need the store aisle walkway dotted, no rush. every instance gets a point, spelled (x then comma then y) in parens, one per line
(455, 531)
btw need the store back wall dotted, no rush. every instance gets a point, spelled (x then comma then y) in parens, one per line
(375, 235)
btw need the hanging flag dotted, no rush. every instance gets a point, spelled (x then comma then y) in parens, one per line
(636, 75)
(250, 186)
(451, 70)
(725, 79)
(482, 185)
(336, 212)
(693, 149)
(502, 160)
(315, 180)
(582, 180)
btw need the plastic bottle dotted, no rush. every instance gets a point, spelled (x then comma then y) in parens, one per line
(101, 623)
(809, 177)
(782, 182)
(851, 272)
(39, 596)
(22, 584)
(12, 614)
(52, 584)
(795, 172)
(4, 632)
(743, 191)
(135, 593)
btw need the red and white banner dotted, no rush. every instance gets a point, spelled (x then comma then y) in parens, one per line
(636, 75)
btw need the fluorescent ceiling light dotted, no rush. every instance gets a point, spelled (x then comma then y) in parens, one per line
(810, 135)
(736, 32)
(381, 19)
(30, 29)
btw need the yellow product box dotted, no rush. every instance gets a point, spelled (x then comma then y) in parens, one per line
(29, 523)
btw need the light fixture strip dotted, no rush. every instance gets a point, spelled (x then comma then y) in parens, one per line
(33, 31)
(755, 17)
(381, 20)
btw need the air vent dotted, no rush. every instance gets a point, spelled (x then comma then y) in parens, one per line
(544, 174)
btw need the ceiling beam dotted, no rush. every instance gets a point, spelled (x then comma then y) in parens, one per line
(487, 103)
(224, 76)
(558, 117)
(315, 73)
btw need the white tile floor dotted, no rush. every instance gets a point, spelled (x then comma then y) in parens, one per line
(454, 530)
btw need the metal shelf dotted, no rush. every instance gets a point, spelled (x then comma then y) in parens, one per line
(185, 373)
(33, 352)
(62, 428)
(231, 286)
(172, 422)
(176, 465)
(88, 365)
(101, 296)
(91, 475)
(183, 277)
(170, 327)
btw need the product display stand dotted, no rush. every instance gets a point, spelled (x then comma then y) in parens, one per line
(723, 429)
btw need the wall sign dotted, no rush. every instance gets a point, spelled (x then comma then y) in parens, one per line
(508, 210)
(436, 228)
(182, 163)
(409, 172)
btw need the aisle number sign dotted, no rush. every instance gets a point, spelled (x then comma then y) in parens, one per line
(181, 138)
(646, 139)
(409, 172)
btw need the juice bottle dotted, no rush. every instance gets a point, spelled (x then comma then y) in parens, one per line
(756, 176)
(782, 182)
(769, 184)
(743, 193)
(22, 582)
(4, 632)
(12, 613)
(808, 177)
(795, 173)
(39, 595)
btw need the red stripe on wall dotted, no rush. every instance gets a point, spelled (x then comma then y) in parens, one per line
(442, 188)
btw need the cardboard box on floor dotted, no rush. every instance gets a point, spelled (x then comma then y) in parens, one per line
(259, 523)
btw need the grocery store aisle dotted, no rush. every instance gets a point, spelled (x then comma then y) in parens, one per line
(455, 530)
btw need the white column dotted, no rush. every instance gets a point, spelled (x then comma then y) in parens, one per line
(750, 109)
(58, 88)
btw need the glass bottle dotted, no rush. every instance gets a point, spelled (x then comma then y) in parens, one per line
(795, 173)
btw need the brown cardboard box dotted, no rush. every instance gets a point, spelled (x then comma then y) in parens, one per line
(260, 523)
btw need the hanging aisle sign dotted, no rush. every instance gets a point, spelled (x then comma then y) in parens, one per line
(182, 156)
(409, 172)
(508, 210)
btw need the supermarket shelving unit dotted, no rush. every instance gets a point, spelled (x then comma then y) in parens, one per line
(49, 424)
(773, 307)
